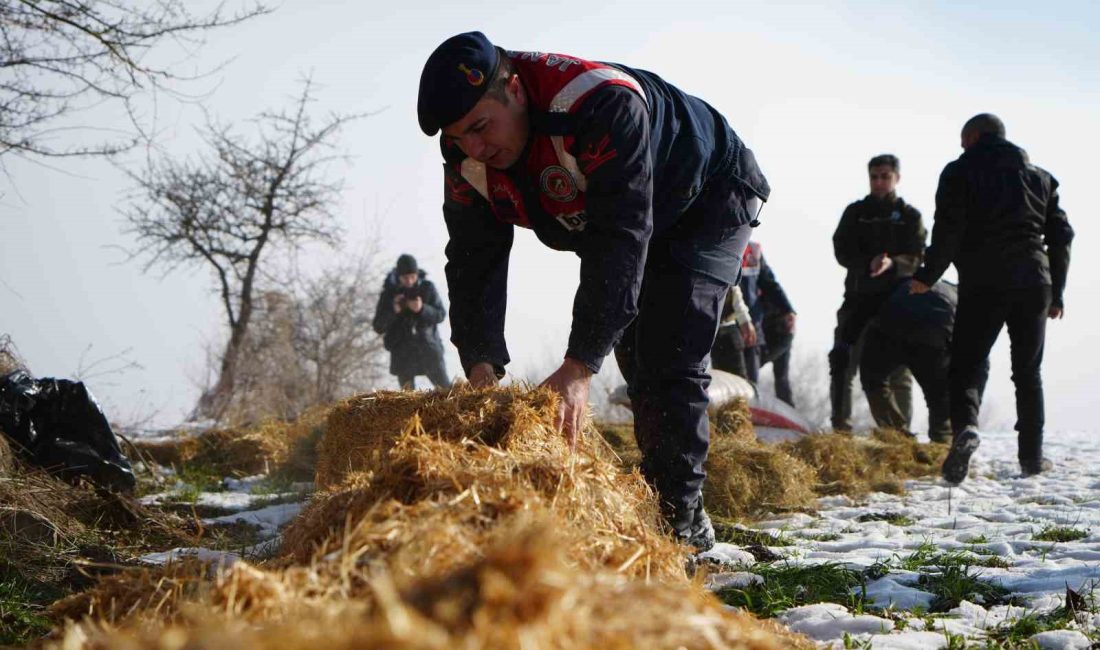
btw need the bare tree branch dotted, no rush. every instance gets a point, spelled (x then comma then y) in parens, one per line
(62, 57)
(225, 209)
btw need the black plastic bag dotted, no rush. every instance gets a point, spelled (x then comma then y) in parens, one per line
(57, 424)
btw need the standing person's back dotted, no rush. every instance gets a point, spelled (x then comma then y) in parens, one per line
(998, 220)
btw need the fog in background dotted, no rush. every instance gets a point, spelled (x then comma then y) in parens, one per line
(815, 90)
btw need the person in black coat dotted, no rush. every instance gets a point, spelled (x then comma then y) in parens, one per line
(998, 220)
(912, 331)
(408, 316)
(879, 240)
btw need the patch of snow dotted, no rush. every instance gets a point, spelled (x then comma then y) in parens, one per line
(207, 555)
(1061, 640)
(994, 512)
(829, 621)
(888, 592)
(728, 555)
(268, 519)
(732, 579)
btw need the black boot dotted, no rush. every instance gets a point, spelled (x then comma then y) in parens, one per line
(957, 464)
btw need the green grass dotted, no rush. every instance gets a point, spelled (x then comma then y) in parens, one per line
(1052, 533)
(22, 611)
(196, 479)
(821, 537)
(786, 585)
(739, 536)
(956, 583)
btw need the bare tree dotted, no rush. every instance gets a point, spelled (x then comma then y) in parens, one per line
(61, 57)
(333, 334)
(310, 343)
(227, 208)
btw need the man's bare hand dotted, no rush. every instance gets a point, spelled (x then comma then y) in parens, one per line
(881, 264)
(571, 381)
(398, 303)
(483, 375)
(415, 304)
(748, 334)
(1056, 312)
(789, 321)
(916, 287)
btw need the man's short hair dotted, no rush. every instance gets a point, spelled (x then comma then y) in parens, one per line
(885, 160)
(982, 124)
(505, 70)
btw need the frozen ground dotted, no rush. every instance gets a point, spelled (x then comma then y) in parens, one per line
(247, 501)
(995, 522)
(992, 526)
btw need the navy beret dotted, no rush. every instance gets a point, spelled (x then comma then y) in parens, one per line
(454, 79)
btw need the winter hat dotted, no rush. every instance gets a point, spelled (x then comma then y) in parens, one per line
(406, 264)
(454, 79)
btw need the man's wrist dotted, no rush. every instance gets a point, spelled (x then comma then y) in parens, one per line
(580, 367)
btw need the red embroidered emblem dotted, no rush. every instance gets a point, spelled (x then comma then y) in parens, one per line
(459, 191)
(594, 156)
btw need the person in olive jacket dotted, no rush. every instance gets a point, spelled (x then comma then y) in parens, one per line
(408, 316)
(998, 220)
(880, 239)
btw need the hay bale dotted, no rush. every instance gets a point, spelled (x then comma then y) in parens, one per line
(745, 477)
(748, 478)
(455, 468)
(855, 465)
(7, 457)
(274, 446)
(360, 430)
(733, 419)
(522, 593)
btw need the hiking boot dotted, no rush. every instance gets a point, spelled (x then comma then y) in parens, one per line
(699, 533)
(1031, 468)
(957, 464)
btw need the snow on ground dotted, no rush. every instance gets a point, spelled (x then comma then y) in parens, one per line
(994, 512)
(239, 495)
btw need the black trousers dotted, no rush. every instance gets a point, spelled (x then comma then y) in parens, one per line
(884, 355)
(778, 353)
(852, 318)
(728, 353)
(978, 322)
(436, 371)
(663, 356)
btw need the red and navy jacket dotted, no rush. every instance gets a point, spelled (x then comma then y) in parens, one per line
(615, 157)
(759, 286)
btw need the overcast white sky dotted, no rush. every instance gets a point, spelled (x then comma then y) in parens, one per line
(814, 88)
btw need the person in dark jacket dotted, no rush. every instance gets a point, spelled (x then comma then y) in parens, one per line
(778, 327)
(760, 289)
(408, 315)
(735, 333)
(911, 331)
(879, 240)
(648, 185)
(998, 220)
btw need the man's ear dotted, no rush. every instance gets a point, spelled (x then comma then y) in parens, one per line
(515, 90)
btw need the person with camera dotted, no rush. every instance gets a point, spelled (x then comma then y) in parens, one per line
(408, 316)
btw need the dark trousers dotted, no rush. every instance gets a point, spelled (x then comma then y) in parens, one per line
(728, 353)
(436, 371)
(663, 356)
(883, 356)
(778, 353)
(854, 315)
(978, 323)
